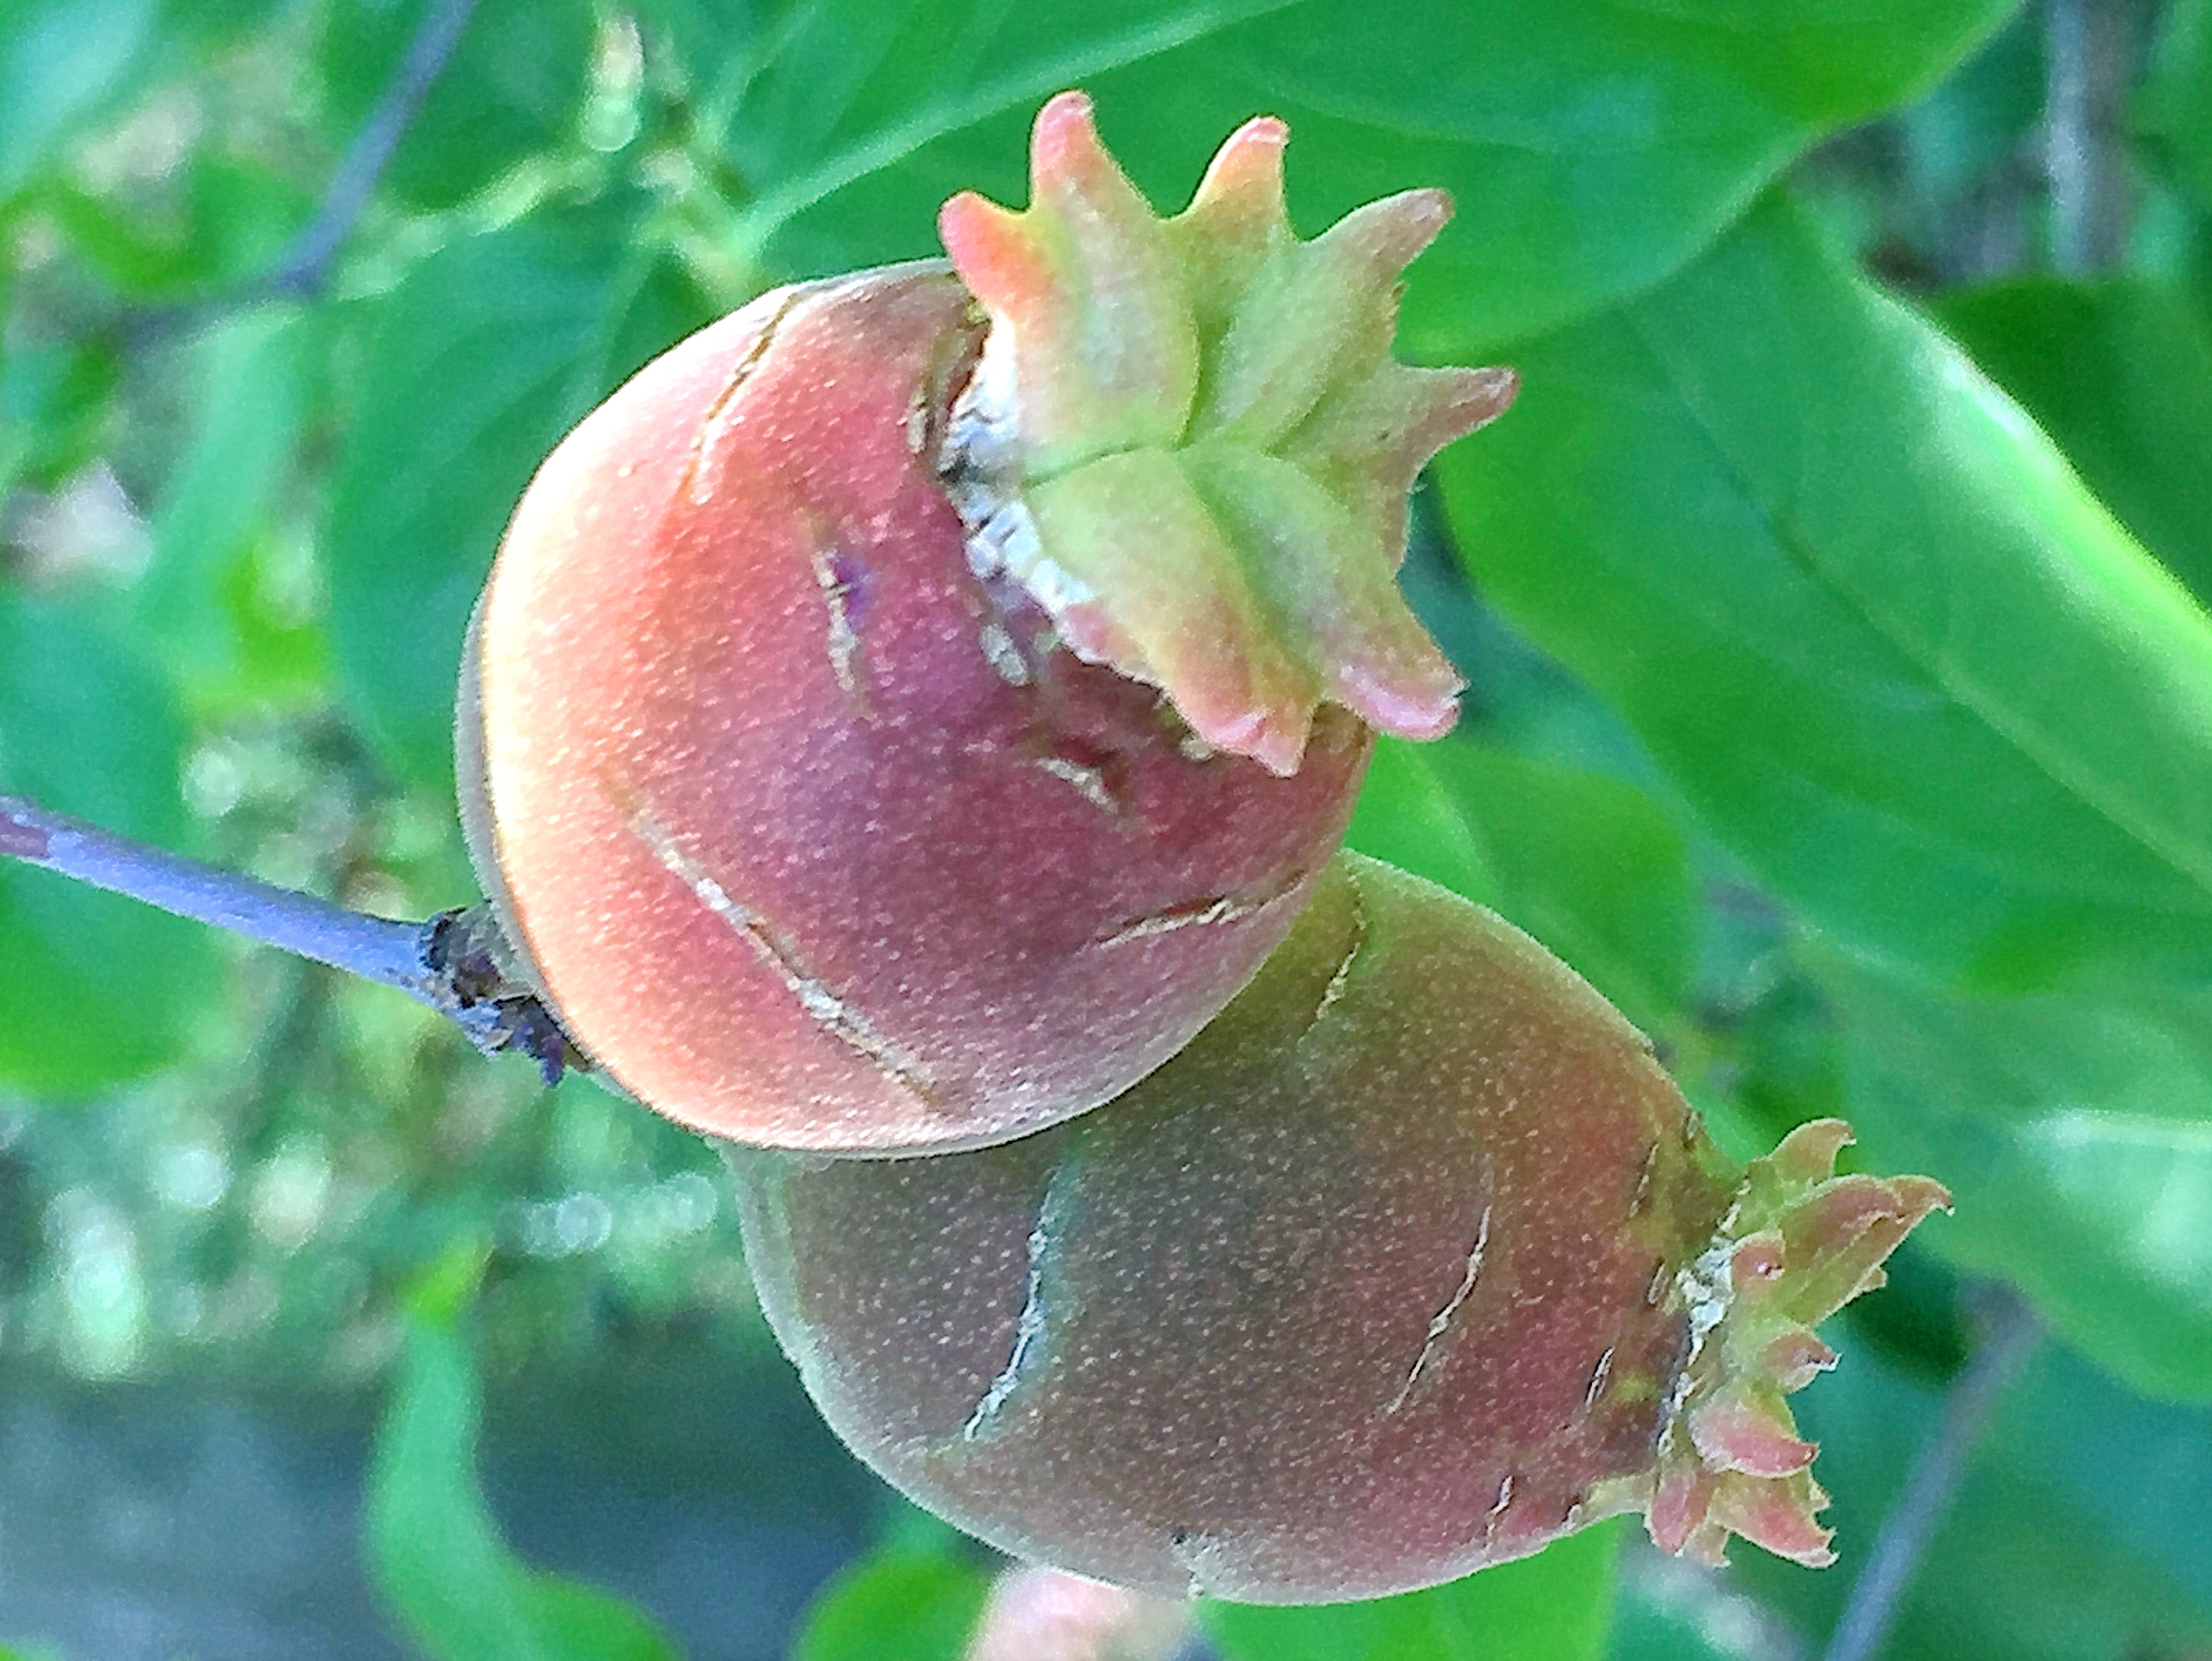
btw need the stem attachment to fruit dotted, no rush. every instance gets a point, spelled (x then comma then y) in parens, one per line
(1796, 1246)
(1187, 441)
(456, 963)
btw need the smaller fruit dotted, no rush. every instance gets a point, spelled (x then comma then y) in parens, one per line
(1414, 1260)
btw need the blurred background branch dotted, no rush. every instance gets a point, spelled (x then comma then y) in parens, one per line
(2007, 1333)
(305, 266)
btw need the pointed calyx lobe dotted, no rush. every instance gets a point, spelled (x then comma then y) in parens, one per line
(1189, 442)
(1796, 1246)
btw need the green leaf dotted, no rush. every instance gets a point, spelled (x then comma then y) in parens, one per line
(436, 1553)
(1408, 816)
(2119, 373)
(2077, 1138)
(1590, 151)
(2140, 1470)
(2174, 107)
(1863, 616)
(916, 1603)
(94, 989)
(2049, 1552)
(471, 368)
(1589, 864)
(1551, 1607)
(221, 644)
(64, 65)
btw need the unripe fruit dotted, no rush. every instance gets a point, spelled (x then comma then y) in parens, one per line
(895, 723)
(1414, 1260)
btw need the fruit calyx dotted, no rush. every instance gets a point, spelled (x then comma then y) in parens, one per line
(1797, 1244)
(1187, 439)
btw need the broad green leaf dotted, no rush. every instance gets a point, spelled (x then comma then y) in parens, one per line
(250, 371)
(1590, 150)
(470, 370)
(1589, 865)
(2120, 373)
(1551, 1607)
(2077, 1137)
(2140, 1469)
(1863, 616)
(1409, 817)
(511, 86)
(435, 1552)
(2045, 1554)
(64, 65)
(94, 989)
(917, 1604)
(2174, 107)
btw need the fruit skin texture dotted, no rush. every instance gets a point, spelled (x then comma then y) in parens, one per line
(815, 823)
(742, 720)
(1405, 1267)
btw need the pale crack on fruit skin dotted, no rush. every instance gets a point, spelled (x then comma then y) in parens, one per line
(1342, 976)
(697, 484)
(1030, 1325)
(1201, 913)
(839, 588)
(831, 1012)
(1433, 1342)
(1088, 782)
(929, 410)
(1598, 1375)
(1499, 1507)
(1640, 1202)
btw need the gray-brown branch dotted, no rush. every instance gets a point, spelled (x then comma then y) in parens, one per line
(454, 964)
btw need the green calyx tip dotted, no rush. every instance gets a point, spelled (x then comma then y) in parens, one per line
(1189, 442)
(1798, 1244)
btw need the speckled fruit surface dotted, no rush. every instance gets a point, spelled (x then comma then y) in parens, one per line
(906, 711)
(808, 839)
(1406, 1266)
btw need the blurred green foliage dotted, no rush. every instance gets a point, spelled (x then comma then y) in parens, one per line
(1552, 1607)
(432, 1541)
(1832, 604)
(919, 1602)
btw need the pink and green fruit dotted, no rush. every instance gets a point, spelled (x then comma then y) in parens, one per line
(905, 713)
(916, 715)
(1413, 1261)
